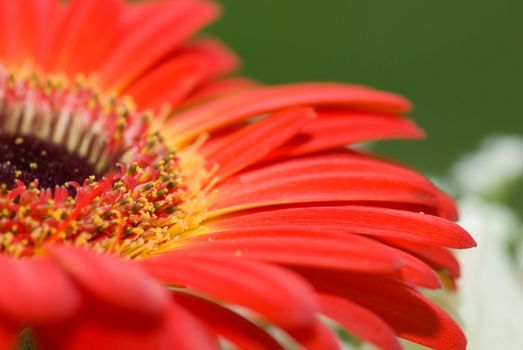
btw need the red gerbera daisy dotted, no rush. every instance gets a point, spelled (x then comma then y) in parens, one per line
(148, 201)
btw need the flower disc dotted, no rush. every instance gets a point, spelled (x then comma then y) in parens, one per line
(82, 168)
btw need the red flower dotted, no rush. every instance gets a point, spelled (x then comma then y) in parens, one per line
(232, 206)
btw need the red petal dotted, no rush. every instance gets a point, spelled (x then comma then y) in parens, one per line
(218, 89)
(228, 324)
(252, 143)
(326, 178)
(271, 292)
(23, 29)
(338, 127)
(168, 83)
(446, 206)
(411, 315)
(359, 321)
(137, 12)
(179, 330)
(437, 257)
(10, 13)
(137, 49)
(415, 271)
(114, 282)
(322, 338)
(380, 222)
(93, 39)
(307, 247)
(222, 60)
(8, 336)
(219, 138)
(298, 246)
(235, 108)
(85, 30)
(35, 291)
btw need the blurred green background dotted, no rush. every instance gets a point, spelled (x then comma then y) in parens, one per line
(460, 62)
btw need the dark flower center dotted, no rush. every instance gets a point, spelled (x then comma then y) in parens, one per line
(56, 132)
(28, 158)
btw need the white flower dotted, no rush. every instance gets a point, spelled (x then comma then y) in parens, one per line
(497, 164)
(490, 291)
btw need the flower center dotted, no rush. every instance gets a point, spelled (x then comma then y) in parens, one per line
(28, 158)
(56, 132)
(80, 168)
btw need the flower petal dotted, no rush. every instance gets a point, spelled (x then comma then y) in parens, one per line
(137, 50)
(316, 248)
(8, 336)
(175, 78)
(439, 258)
(333, 178)
(294, 246)
(446, 206)
(252, 143)
(415, 271)
(411, 315)
(35, 291)
(10, 13)
(258, 101)
(23, 27)
(217, 89)
(179, 330)
(222, 60)
(114, 282)
(269, 291)
(380, 222)
(168, 83)
(228, 324)
(338, 127)
(84, 31)
(359, 321)
(321, 338)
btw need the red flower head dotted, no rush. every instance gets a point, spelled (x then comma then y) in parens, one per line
(150, 201)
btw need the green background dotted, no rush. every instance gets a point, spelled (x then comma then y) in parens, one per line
(460, 62)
